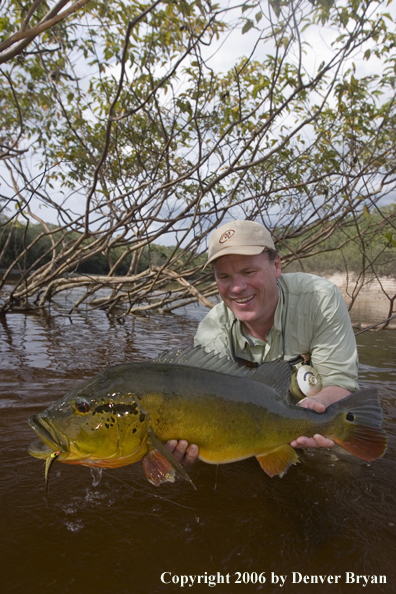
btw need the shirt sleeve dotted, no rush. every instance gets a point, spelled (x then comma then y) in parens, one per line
(212, 333)
(333, 348)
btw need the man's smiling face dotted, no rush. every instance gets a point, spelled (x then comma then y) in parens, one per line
(247, 285)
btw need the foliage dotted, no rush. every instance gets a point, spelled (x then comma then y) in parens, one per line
(15, 237)
(377, 251)
(116, 127)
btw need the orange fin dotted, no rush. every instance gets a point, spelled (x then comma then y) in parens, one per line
(157, 468)
(278, 461)
(367, 443)
(160, 465)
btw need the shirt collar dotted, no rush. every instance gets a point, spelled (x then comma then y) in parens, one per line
(277, 327)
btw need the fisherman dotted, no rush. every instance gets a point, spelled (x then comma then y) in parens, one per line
(265, 315)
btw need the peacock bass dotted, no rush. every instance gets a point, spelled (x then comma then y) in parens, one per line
(127, 413)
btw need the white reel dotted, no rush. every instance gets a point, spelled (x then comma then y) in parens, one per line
(305, 382)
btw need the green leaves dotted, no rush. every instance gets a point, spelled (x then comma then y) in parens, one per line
(181, 137)
(184, 106)
(247, 26)
(390, 237)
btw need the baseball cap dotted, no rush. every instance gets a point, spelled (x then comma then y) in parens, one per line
(239, 237)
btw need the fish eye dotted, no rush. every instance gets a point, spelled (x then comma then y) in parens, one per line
(82, 405)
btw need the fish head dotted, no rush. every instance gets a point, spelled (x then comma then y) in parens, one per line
(107, 430)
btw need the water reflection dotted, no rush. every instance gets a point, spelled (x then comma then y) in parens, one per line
(330, 515)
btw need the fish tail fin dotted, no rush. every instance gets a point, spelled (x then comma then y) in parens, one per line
(362, 433)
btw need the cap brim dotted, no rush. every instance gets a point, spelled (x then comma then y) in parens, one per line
(241, 250)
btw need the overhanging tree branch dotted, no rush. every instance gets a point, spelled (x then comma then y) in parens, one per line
(26, 35)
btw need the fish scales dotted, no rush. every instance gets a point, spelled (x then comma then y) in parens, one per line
(127, 412)
(229, 418)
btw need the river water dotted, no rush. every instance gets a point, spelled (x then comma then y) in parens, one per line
(332, 515)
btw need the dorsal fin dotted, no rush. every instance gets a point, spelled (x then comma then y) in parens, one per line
(196, 356)
(276, 374)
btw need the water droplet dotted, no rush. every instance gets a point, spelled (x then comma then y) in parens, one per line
(69, 509)
(74, 526)
(96, 474)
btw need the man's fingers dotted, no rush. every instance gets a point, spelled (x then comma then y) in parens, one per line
(323, 442)
(313, 404)
(303, 442)
(191, 455)
(317, 441)
(171, 445)
(182, 451)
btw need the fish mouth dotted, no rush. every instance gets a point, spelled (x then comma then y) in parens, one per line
(51, 439)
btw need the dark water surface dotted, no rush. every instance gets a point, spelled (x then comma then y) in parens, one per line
(330, 515)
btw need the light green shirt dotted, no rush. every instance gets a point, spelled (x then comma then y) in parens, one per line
(310, 317)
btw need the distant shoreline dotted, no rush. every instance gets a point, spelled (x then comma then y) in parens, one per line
(371, 306)
(371, 301)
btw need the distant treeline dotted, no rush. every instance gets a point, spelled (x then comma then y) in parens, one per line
(40, 253)
(372, 246)
(358, 249)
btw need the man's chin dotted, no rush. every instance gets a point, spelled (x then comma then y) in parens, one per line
(244, 315)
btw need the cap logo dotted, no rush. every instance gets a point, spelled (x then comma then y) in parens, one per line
(226, 235)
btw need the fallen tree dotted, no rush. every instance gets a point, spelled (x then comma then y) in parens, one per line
(129, 138)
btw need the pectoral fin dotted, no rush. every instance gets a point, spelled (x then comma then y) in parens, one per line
(160, 465)
(157, 469)
(278, 461)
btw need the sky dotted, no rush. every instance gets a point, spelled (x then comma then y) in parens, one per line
(223, 54)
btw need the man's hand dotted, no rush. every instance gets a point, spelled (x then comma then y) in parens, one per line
(184, 453)
(319, 403)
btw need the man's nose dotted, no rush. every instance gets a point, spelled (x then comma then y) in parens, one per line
(238, 284)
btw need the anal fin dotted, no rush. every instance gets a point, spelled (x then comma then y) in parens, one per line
(278, 461)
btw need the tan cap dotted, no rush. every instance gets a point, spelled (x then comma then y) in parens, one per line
(239, 237)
